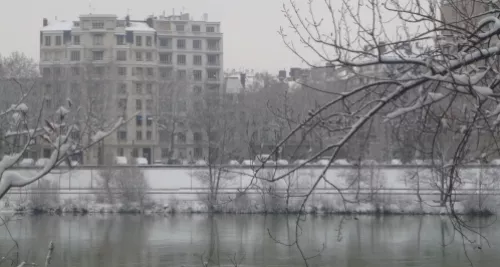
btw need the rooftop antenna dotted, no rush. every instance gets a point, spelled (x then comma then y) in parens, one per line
(90, 6)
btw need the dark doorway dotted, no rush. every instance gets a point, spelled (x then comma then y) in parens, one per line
(146, 153)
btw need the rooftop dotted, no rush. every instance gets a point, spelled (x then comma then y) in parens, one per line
(98, 16)
(61, 25)
(139, 27)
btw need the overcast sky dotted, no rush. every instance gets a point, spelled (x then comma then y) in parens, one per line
(249, 26)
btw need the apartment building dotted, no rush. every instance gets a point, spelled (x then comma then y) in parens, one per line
(114, 67)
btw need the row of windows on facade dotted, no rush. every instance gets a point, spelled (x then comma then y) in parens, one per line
(98, 39)
(164, 58)
(180, 27)
(165, 152)
(122, 135)
(197, 75)
(163, 135)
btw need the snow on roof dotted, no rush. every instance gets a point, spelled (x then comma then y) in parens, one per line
(58, 26)
(139, 27)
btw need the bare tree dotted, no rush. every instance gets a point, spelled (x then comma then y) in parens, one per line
(435, 63)
(55, 128)
(174, 92)
(213, 122)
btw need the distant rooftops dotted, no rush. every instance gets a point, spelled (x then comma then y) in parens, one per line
(132, 25)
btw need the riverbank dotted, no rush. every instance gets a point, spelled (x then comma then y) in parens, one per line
(197, 207)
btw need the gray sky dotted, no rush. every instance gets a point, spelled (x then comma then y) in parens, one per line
(249, 26)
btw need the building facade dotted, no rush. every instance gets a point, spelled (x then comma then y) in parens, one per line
(113, 67)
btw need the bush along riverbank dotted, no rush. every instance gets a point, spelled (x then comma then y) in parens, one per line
(174, 206)
(129, 191)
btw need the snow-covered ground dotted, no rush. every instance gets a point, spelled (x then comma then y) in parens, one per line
(183, 189)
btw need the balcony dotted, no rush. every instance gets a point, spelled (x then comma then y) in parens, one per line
(215, 48)
(213, 63)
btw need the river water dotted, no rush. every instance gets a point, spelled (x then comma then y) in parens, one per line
(183, 240)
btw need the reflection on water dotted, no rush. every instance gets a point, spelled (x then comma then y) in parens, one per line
(187, 240)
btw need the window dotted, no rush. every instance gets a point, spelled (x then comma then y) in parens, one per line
(76, 40)
(150, 71)
(181, 137)
(197, 60)
(213, 75)
(197, 89)
(181, 74)
(195, 28)
(122, 71)
(210, 29)
(166, 58)
(98, 39)
(99, 70)
(120, 39)
(57, 72)
(121, 55)
(149, 56)
(198, 152)
(48, 102)
(122, 103)
(138, 120)
(166, 73)
(46, 72)
(197, 44)
(58, 40)
(75, 71)
(48, 89)
(149, 41)
(47, 40)
(181, 59)
(164, 153)
(135, 153)
(166, 42)
(120, 152)
(138, 71)
(197, 137)
(197, 74)
(212, 60)
(213, 45)
(75, 55)
(149, 90)
(149, 121)
(138, 88)
(149, 105)
(138, 56)
(138, 40)
(138, 104)
(138, 135)
(122, 88)
(149, 135)
(58, 55)
(97, 24)
(98, 55)
(181, 44)
(179, 27)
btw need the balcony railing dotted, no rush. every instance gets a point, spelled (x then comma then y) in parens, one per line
(213, 63)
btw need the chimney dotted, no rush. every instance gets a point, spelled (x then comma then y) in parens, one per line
(45, 22)
(149, 21)
(243, 79)
(127, 21)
